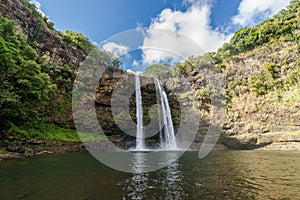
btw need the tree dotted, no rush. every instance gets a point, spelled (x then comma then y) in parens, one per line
(78, 39)
(159, 71)
(109, 59)
(24, 87)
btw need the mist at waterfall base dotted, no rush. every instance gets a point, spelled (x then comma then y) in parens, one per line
(167, 140)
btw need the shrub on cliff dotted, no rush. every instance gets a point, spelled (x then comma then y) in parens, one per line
(79, 40)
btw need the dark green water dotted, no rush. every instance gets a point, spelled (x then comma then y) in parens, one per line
(221, 175)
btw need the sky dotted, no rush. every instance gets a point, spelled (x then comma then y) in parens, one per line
(146, 32)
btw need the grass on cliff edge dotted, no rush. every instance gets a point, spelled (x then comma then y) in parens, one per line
(50, 132)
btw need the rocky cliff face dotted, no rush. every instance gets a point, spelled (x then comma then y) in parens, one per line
(49, 43)
(258, 118)
(122, 84)
(61, 59)
(116, 87)
(252, 119)
(276, 111)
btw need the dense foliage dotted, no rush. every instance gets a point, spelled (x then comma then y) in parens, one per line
(28, 83)
(280, 27)
(79, 40)
(159, 71)
(33, 32)
(271, 47)
(284, 26)
(24, 87)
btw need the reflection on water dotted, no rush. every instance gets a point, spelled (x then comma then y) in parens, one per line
(221, 175)
(171, 183)
(136, 185)
(141, 185)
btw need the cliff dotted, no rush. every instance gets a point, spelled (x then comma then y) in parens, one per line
(259, 68)
(49, 43)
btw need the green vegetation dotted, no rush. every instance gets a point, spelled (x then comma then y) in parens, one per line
(79, 40)
(108, 59)
(280, 27)
(31, 89)
(277, 75)
(24, 87)
(211, 60)
(284, 26)
(45, 131)
(69, 37)
(266, 81)
(203, 96)
(33, 33)
(159, 71)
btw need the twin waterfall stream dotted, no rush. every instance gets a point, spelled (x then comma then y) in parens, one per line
(167, 135)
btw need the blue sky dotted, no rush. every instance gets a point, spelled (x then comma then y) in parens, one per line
(100, 19)
(208, 23)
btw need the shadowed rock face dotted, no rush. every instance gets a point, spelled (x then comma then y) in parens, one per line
(121, 84)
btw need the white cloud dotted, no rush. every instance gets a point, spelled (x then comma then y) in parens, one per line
(135, 63)
(183, 28)
(117, 49)
(38, 6)
(252, 11)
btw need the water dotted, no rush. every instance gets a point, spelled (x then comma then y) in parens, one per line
(140, 141)
(159, 112)
(167, 135)
(221, 175)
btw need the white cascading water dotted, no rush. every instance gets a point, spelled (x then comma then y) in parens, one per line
(167, 135)
(140, 141)
(159, 113)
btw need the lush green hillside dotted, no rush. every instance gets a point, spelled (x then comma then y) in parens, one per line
(261, 69)
(283, 27)
(260, 66)
(36, 81)
(24, 86)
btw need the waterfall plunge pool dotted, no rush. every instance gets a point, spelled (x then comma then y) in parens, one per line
(220, 175)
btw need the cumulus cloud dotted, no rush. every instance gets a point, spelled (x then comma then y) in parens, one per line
(183, 33)
(252, 11)
(116, 49)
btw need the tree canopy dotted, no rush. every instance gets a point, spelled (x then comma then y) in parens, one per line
(24, 87)
(159, 71)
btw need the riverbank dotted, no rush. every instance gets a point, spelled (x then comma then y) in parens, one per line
(30, 148)
(279, 141)
(44, 138)
(15, 148)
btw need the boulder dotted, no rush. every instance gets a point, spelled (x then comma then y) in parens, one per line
(21, 150)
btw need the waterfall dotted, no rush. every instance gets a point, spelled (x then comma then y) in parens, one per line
(167, 135)
(140, 141)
